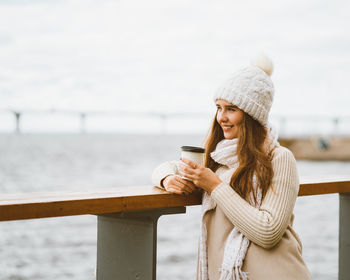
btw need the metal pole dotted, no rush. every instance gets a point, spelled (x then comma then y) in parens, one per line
(127, 244)
(335, 126)
(344, 236)
(18, 118)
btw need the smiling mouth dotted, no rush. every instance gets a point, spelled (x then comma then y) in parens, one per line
(227, 126)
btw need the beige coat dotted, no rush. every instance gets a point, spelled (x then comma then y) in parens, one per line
(275, 251)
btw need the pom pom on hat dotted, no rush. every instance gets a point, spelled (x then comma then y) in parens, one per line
(263, 62)
(251, 89)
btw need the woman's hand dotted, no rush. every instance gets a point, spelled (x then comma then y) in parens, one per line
(176, 184)
(202, 177)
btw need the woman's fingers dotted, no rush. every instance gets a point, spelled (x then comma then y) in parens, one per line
(187, 175)
(182, 184)
(185, 184)
(177, 190)
(178, 185)
(190, 170)
(190, 163)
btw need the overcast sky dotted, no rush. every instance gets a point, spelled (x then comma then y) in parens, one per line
(170, 56)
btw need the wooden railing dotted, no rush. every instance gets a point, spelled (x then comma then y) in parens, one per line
(127, 220)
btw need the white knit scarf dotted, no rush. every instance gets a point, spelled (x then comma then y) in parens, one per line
(236, 244)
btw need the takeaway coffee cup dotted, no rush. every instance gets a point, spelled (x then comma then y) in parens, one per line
(195, 154)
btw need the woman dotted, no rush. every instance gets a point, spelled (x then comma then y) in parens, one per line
(250, 185)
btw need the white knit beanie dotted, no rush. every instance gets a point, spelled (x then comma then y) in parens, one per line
(251, 89)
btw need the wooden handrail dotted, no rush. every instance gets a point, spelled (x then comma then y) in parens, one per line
(325, 185)
(69, 203)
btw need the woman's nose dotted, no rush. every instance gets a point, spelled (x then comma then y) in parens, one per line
(222, 117)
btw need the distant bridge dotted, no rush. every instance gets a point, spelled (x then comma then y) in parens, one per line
(164, 117)
(83, 115)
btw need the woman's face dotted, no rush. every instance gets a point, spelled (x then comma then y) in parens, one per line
(229, 117)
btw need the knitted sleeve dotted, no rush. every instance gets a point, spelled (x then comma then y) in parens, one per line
(163, 170)
(264, 226)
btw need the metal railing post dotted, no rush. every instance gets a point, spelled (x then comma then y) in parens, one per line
(127, 244)
(344, 236)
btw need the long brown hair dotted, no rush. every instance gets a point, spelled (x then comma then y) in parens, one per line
(252, 157)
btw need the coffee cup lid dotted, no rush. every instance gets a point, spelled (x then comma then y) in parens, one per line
(192, 149)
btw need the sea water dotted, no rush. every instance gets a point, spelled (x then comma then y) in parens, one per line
(65, 248)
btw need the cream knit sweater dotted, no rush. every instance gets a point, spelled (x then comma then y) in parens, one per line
(266, 225)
